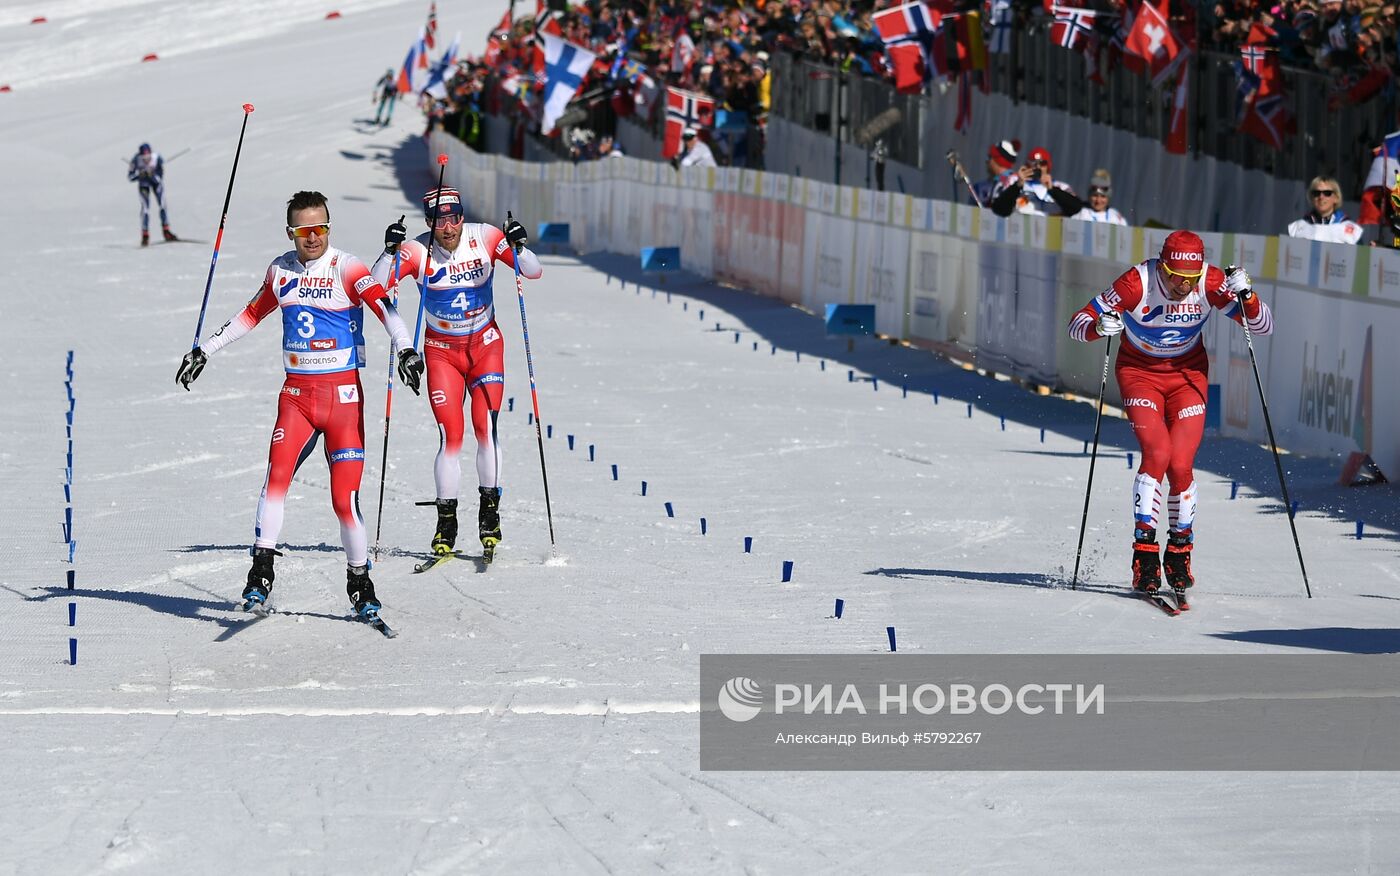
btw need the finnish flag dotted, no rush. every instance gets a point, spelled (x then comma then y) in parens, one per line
(565, 65)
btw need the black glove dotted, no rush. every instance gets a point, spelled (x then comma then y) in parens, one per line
(516, 234)
(190, 366)
(394, 235)
(411, 369)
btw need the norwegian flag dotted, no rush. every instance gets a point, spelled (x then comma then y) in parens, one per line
(1073, 27)
(1153, 40)
(431, 29)
(1261, 61)
(908, 33)
(1267, 119)
(685, 109)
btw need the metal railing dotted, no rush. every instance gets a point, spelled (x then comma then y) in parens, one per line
(1330, 142)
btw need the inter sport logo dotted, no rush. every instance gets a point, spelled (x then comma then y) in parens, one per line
(740, 699)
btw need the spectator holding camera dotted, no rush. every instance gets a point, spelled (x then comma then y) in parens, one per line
(1029, 190)
(1325, 221)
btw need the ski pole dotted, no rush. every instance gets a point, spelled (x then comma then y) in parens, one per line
(1098, 421)
(958, 170)
(388, 408)
(1273, 445)
(172, 158)
(428, 254)
(223, 218)
(534, 395)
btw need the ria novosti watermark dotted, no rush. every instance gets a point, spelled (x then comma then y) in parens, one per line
(1050, 712)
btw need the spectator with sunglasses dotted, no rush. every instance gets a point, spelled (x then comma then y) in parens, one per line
(1160, 307)
(1325, 221)
(321, 292)
(463, 345)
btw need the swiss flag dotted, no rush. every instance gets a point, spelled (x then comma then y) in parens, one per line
(1153, 40)
(685, 109)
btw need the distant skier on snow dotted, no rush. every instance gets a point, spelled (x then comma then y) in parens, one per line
(147, 170)
(386, 92)
(1160, 306)
(321, 292)
(463, 345)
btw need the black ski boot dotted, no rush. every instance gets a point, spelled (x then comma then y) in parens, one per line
(145, 238)
(1147, 562)
(360, 589)
(1177, 564)
(445, 539)
(489, 521)
(260, 579)
(169, 235)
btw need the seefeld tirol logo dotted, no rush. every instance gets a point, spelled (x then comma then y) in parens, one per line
(740, 699)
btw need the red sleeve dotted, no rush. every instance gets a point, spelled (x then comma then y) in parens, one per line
(499, 247)
(359, 285)
(263, 303)
(1373, 206)
(1123, 296)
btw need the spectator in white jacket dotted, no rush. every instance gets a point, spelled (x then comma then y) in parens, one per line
(1325, 221)
(694, 152)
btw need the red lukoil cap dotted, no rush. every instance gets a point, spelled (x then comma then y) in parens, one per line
(1184, 253)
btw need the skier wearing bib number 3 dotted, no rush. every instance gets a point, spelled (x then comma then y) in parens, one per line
(321, 292)
(1159, 306)
(463, 345)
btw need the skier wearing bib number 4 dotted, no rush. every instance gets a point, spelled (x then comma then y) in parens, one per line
(1159, 306)
(322, 293)
(463, 346)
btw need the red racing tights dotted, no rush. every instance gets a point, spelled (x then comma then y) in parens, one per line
(309, 406)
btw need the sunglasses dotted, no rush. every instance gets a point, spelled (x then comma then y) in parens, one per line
(1181, 274)
(451, 220)
(304, 231)
(1095, 192)
(1322, 193)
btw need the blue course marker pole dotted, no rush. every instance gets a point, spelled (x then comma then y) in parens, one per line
(748, 544)
(1042, 436)
(644, 488)
(840, 607)
(787, 571)
(1130, 459)
(590, 453)
(704, 527)
(670, 512)
(71, 575)
(1360, 529)
(614, 471)
(72, 614)
(571, 442)
(510, 405)
(889, 631)
(1234, 489)
(72, 652)
(969, 410)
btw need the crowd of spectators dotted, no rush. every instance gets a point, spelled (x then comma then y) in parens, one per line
(1353, 41)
